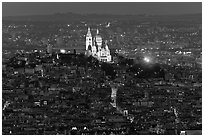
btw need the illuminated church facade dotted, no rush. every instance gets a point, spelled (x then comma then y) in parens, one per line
(96, 48)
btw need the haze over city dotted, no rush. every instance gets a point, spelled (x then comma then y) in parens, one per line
(158, 8)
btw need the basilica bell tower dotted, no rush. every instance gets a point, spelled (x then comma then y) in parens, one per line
(88, 39)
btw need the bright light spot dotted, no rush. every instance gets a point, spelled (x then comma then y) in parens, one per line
(183, 133)
(146, 59)
(62, 51)
(74, 128)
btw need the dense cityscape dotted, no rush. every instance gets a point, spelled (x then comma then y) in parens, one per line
(151, 86)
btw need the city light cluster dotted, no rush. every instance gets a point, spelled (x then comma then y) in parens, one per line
(147, 59)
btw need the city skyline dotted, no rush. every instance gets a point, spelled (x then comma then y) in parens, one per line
(101, 73)
(120, 8)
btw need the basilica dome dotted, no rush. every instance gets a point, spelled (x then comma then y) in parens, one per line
(98, 37)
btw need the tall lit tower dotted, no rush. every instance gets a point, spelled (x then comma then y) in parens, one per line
(49, 49)
(114, 95)
(88, 38)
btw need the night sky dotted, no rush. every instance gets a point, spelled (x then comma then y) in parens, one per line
(38, 8)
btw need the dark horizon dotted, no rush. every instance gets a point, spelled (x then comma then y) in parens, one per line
(104, 14)
(112, 8)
